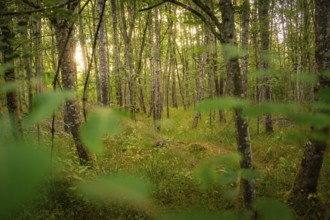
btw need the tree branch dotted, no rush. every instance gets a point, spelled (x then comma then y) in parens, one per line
(202, 17)
(209, 12)
(36, 8)
(153, 6)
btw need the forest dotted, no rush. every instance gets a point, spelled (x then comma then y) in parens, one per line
(165, 109)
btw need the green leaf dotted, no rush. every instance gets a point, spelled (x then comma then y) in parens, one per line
(317, 120)
(227, 177)
(229, 160)
(271, 108)
(324, 94)
(232, 51)
(206, 175)
(22, 171)
(249, 174)
(119, 188)
(306, 78)
(101, 122)
(4, 67)
(326, 74)
(44, 104)
(9, 86)
(321, 106)
(270, 209)
(221, 103)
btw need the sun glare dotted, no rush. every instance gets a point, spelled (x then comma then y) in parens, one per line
(79, 58)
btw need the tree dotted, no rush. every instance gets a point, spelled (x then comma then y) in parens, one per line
(66, 48)
(104, 75)
(8, 53)
(264, 35)
(304, 196)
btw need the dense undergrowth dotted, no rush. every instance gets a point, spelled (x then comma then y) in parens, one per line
(172, 162)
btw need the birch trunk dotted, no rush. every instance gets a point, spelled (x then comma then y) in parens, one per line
(104, 75)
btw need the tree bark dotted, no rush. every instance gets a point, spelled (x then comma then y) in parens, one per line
(119, 93)
(157, 115)
(264, 35)
(245, 44)
(242, 129)
(8, 52)
(69, 72)
(104, 75)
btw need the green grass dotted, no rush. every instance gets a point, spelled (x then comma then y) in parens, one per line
(168, 160)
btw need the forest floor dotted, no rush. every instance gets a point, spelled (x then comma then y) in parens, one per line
(173, 160)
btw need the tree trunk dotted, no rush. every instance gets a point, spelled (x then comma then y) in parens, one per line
(69, 73)
(127, 35)
(245, 44)
(233, 69)
(8, 52)
(264, 35)
(119, 93)
(200, 86)
(304, 198)
(104, 75)
(23, 23)
(158, 76)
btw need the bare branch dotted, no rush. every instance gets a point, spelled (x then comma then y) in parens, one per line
(37, 8)
(202, 17)
(153, 6)
(209, 12)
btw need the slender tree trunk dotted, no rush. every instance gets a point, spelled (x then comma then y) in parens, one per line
(158, 76)
(119, 93)
(304, 198)
(200, 86)
(233, 68)
(264, 35)
(7, 49)
(245, 44)
(104, 75)
(139, 67)
(69, 73)
(127, 36)
(23, 23)
(152, 64)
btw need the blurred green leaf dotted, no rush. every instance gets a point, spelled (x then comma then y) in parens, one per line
(270, 209)
(232, 51)
(307, 78)
(119, 188)
(44, 104)
(317, 120)
(22, 171)
(101, 122)
(326, 74)
(324, 94)
(221, 103)
(320, 106)
(227, 177)
(319, 136)
(229, 160)
(9, 86)
(204, 216)
(271, 108)
(4, 67)
(249, 174)
(206, 175)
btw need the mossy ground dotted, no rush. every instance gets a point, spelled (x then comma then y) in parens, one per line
(168, 159)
